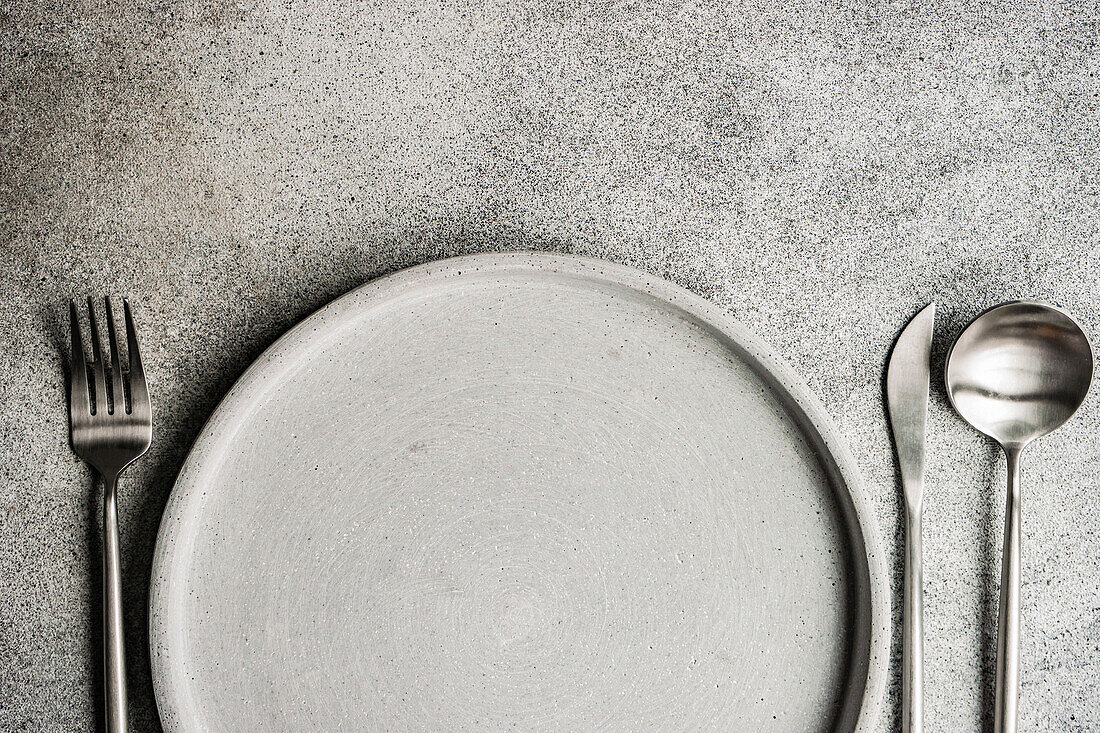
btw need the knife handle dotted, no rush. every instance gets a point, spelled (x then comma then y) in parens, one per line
(912, 629)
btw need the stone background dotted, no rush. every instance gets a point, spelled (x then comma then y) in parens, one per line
(819, 169)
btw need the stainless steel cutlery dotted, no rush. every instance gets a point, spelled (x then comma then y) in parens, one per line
(1016, 373)
(907, 381)
(110, 426)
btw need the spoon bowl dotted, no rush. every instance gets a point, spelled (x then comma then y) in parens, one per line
(1019, 371)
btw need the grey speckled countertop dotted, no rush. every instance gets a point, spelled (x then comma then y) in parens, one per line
(821, 170)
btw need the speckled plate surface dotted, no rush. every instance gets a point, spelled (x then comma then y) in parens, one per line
(521, 491)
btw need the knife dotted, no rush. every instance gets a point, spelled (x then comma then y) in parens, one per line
(907, 403)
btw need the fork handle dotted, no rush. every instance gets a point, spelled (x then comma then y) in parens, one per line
(114, 647)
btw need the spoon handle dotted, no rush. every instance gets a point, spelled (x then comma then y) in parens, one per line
(1008, 627)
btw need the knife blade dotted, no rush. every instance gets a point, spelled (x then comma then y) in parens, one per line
(907, 381)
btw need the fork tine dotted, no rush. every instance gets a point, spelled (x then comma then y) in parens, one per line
(139, 392)
(98, 376)
(78, 378)
(118, 397)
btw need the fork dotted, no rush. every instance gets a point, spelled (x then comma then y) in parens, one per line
(110, 426)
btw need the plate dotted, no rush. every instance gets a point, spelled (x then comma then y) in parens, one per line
(519, 491)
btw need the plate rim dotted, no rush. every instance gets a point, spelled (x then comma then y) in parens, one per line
(803, 404)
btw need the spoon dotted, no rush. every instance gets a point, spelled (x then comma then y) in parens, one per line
(1016, 373)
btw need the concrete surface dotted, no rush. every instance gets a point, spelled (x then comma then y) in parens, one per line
(821, 170)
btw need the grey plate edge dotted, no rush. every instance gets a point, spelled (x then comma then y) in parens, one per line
(874, 634)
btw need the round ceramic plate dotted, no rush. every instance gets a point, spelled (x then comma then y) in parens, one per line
(519, 491)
